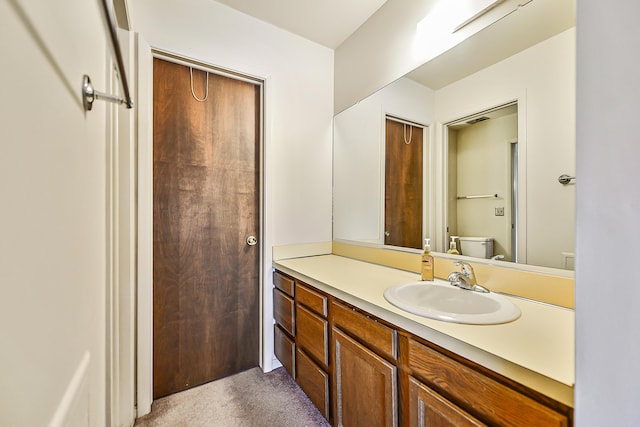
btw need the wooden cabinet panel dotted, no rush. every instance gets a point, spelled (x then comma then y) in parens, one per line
(283, 311)
(377, 336)
(284, 349)
(313, 381)
(284, 283)
(488, 400)
(312, 334)
(311, 299)
(365, 385)
(428, 408)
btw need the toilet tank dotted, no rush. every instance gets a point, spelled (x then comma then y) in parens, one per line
(478, 247)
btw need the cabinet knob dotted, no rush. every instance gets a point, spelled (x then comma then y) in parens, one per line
(252, 241)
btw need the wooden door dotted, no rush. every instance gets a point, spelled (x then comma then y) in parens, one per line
(365, 385)
(206, 204)
(403, 185)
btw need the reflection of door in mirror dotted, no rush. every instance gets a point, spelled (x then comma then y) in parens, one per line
(482, 171)
(403, 191)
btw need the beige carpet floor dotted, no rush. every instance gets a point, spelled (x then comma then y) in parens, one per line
(251, 398)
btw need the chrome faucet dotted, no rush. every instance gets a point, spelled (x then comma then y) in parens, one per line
(465, 279)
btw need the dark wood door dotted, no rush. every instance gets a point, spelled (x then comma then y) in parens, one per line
(206, 204)
(403, 185)
(366, 391)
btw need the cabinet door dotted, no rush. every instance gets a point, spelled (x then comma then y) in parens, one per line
(428, 408)
(365, 385)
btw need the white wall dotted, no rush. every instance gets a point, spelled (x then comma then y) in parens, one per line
(607, 276)
(542, 79)
(52, 221)
(359, 153)
(299, 112)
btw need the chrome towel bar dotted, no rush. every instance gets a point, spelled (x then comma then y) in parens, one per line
(484, 196)
(89, 94)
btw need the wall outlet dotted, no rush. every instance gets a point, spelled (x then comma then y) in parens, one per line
(499, 211)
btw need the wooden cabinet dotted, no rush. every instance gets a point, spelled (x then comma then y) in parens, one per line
(362, 371)
(366, 392)
(284, 316)
(312, 340)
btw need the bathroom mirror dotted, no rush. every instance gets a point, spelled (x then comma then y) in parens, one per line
(536, 80)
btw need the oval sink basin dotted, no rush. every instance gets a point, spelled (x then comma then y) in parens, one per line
(442, 301)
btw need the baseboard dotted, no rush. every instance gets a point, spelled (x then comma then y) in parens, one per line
(275, 363)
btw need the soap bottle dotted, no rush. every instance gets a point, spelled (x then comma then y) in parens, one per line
(427, 262)
(453, 247)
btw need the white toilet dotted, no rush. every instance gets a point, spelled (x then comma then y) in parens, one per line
(478, 247)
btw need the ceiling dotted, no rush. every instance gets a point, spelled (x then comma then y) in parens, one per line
(327, 22)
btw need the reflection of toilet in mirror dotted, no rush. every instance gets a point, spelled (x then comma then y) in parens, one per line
(478, 247)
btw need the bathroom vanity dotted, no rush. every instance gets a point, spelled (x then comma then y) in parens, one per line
(363, 361)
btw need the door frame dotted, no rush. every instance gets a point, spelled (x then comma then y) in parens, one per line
(144, 321)
(520, 101)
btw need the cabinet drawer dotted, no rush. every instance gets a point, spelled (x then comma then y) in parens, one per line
(283, 311)
(313, 381)
(428, 408)
(313, 334)
(284, 283)
(377, 336)
(486, 399)
(285, 349)
(311, 299)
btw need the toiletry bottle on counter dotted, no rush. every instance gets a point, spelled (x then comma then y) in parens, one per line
(453, 247)
(427, 262)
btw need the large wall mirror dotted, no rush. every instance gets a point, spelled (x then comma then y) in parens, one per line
(494, 118)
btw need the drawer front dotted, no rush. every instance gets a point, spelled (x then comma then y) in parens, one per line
(283, 311)
(311, 299)
(377, 336)
(483, 397)
(285, 350)
(314, 381)
(284, 283)
(312, 334)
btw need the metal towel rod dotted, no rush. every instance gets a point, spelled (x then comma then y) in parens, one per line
(484, 196)
(565, 179)
(89, 94)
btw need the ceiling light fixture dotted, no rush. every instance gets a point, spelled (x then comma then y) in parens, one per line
(487, 10)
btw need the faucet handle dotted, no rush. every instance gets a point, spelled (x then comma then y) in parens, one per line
(465, 266)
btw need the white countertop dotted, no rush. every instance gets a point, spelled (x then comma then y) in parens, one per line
(536, 350)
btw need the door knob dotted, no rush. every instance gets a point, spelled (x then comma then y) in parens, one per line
(252, 241)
